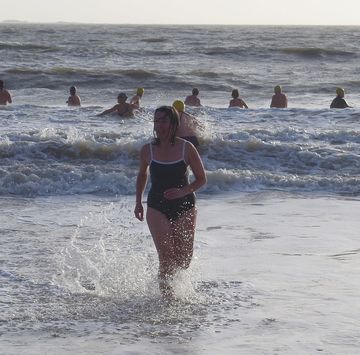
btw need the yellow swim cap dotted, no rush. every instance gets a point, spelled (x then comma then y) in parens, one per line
(179, 105)
(140, 91)
(340, 91)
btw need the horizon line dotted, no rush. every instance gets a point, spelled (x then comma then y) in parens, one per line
(166, 24)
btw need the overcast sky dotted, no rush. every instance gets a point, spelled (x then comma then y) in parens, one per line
(236, 12)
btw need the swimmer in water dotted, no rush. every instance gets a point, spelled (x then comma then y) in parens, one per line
(236, 101)
(74, 99)
(188, 124)
(135, 101)
(279, 100)
(339, 101)
(122, 108)
(5, 96)
(193, 100)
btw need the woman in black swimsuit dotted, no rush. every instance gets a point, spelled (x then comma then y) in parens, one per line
(171, 212)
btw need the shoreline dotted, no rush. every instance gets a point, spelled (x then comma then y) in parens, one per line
(265, 265)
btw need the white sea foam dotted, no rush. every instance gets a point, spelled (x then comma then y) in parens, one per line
(241, 149)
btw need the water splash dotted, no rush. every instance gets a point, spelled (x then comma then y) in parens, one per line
(109, 256)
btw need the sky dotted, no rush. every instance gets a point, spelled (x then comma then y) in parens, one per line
(231, 12)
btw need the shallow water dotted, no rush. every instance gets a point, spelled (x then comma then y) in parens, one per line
(273, 273)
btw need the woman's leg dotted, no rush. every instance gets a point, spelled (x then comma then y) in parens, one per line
(161, 231)
(183, 235)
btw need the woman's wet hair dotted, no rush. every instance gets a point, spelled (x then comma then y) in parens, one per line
(173, 116)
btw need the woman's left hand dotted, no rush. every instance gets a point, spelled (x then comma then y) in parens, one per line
(139, 212)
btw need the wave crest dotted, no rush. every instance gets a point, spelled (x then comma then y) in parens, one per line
(313, 52)
(27, 47)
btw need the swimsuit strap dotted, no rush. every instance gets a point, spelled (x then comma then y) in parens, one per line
(151, 153)
(183, 152)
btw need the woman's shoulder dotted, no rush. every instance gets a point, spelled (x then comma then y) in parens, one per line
(180, 141)
(145, 149)
(185, 144)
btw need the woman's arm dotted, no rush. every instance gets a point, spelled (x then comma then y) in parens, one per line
(141, 181)
(197, 167)
(135, 100)
(244, 104)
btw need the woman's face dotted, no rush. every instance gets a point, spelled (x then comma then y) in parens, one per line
(162, 125)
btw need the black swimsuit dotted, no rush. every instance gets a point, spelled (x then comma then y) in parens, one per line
(339, 102)
(165, 175)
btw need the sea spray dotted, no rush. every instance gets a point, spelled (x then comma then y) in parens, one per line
(109, 257)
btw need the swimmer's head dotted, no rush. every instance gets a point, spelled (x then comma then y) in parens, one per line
(235, 94)
(73, 90)
(195, 91)
(277, 89)
(140, 91)
(340, 92)
(122, 96)
(167, 112)
(1, 84)
(179, 105)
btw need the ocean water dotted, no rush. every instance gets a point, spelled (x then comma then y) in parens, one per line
(277, 253)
